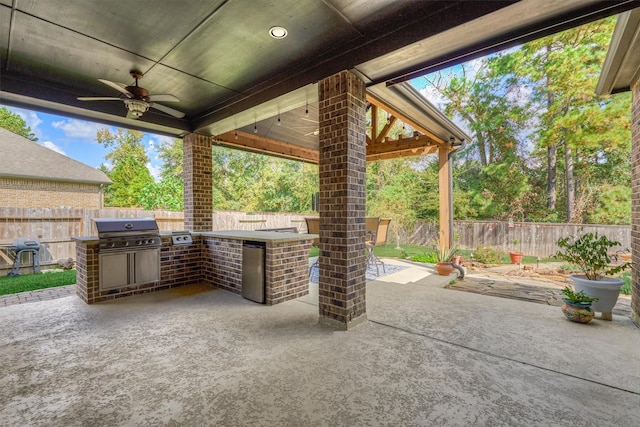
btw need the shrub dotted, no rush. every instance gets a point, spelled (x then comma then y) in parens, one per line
(427, 257)
(487, 255)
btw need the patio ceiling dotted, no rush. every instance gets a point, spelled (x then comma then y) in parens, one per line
(219, 60)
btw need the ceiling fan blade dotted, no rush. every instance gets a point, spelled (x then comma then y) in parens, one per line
(163, 98)
(170, 111)
(98, 98)
(131, 116)
(309, 120)
(120, 87)
(314, 133)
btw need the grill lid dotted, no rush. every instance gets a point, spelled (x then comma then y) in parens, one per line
(20, 243)
(121, 225)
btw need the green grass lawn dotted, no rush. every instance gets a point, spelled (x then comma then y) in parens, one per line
(32, 282)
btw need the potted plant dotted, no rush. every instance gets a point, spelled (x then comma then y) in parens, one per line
(516, 257)
(444, 259)
(593, 254)
(577, 306)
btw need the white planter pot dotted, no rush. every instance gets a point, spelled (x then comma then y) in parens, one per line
(606, 290)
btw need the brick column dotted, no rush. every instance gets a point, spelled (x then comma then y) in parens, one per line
(342, 200)
(635, 198)
(198, 193)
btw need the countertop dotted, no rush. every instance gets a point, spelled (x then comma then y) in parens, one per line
(256, 236)
(259, 236)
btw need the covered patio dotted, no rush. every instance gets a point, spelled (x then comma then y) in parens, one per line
(427, 356)
(238, 78)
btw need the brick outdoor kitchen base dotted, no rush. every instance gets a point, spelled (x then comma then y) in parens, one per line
(214, 258)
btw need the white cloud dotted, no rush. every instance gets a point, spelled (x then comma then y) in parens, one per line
(51, 146)
(154, 171)
(78, 128)
(31, 118)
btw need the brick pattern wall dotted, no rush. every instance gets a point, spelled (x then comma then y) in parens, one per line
(27, 193)
(198, 192)
(635, 200)
(179, 265)
(87, 272)
(342, 200)
(287, 271)
(222, 263)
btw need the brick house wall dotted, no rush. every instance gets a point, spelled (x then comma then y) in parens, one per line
(635, 198)
(27, 193)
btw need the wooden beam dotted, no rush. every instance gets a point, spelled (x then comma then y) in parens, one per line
(389, 109)
(259, 144)
(405, 144)
(444, 187)
(385, 130)
(374, 123)
(396, 155)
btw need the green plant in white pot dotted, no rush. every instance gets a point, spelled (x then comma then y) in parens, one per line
(594, 254)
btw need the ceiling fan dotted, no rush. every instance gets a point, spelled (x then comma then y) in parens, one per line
(136, 98)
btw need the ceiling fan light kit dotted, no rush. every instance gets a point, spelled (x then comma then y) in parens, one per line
(136, 107)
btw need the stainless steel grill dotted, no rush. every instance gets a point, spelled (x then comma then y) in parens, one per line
(124, 234)
(129, 252)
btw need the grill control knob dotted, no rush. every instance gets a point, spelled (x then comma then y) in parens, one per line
(125, 244)
(139, 242)
(112, 244)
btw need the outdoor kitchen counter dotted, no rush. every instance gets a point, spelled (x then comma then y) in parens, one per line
(286, 261)
(260, 236)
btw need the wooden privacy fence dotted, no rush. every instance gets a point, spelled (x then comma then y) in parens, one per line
(531, 238)
(54, 227)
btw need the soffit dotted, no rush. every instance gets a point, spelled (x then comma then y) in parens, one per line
(622, 65)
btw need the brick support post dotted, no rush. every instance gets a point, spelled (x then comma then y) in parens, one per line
(635, 199)
(198, 193)
(342, 200)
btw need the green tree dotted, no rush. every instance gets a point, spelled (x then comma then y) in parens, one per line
(562, 71)
(128, 167)
(16, 124)
(255, 182)
(167, 194)
(583, 140)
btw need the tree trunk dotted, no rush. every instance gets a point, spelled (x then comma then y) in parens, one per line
(552, 155)
(552, 166)
(571, 192)
(482, 149)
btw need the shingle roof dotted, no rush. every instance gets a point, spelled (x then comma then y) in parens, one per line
(23, 158)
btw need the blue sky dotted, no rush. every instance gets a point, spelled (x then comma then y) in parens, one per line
(77, 138)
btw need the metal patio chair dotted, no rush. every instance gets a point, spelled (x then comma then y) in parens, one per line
(377, 230)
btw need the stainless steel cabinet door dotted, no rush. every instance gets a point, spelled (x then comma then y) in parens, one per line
(114, 270)
(147, 266)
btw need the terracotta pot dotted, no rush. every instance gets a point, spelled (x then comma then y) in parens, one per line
(516, 257)
(577, 312)
(444, 268)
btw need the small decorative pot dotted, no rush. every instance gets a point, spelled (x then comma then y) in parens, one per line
(444, 268)
(579, 312)
(457, 259)
(516, 257)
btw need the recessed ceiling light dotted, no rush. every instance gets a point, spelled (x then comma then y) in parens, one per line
(278, 32)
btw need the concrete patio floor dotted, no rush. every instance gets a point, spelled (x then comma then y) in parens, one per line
(427, 356)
